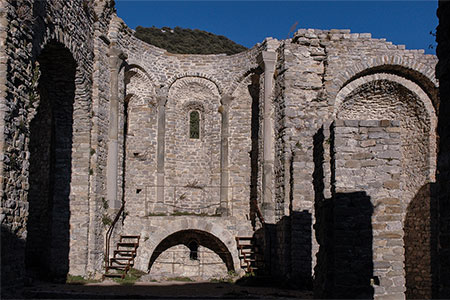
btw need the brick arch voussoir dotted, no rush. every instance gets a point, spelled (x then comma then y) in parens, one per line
(132, 65)
(68, 41)
(239, 79)
(189, 77)
(146, 80)
(358, 70)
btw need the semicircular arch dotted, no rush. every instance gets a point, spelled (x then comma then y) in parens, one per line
(411, 86)
(131, 66)
(139, 83)
(203, 238)
(419, 73)
(210, 227)
(186, 78)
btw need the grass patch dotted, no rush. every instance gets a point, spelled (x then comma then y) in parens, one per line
(130, 279)
(229, 278)
(106, 220)
(156, 215)
(79, 280)
(222, 280)
(180, 278)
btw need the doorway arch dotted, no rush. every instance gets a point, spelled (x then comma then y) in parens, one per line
(50, 165)
(187, 238)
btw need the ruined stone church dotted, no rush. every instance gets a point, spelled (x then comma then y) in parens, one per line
(310, 160)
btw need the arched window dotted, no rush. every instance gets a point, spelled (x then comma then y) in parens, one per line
(193, 247)
(194, 124)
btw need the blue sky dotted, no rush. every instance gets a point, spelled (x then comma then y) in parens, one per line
(249, 22)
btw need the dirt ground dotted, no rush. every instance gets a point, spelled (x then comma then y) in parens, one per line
(160, 290)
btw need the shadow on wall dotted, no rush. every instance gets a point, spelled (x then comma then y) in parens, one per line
(47, 246)
(12, 259)
(421, 261)
(287, 250)
(443, 166)
(343, 227)
(344, 266)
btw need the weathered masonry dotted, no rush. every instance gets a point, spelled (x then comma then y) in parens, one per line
(321, 149)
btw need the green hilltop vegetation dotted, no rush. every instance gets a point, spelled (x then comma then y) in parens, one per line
(187, 41)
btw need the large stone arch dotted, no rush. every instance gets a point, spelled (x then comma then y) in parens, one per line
(383, 96)
(173, 225)
(409, 85)
(199, 238)
(423, 75)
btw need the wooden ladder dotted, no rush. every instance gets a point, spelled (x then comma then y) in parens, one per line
(123, 257)
(248, 254)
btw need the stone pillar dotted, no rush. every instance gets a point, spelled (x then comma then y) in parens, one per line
(224, 173)
(116, 57)
(162, 100)
(268, 206)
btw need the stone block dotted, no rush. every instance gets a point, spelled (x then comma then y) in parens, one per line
(369, 123)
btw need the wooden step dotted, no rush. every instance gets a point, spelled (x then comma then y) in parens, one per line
(117, 267)
(123, 244)
(244, 238)
(130, 236)
(242, 247)
(249, 259)
(120, 259)
(126, 253)
(121, 262)
(123, 256)
(247, 253)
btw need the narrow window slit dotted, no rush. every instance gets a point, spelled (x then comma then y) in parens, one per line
(193, 250)
(194, 125)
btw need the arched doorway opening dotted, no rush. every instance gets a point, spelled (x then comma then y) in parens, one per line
(50, 147)
(191, 253)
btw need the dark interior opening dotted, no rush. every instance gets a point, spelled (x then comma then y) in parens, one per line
(194, 238)
(193, 248)
(50, 146)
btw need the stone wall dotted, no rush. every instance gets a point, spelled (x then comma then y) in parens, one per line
(316, 72)
(265, 149)
(443, 73)
(192, 165)
(28, 27)
(178, 261)
(169, 173)
(420, 244)
(367, 246)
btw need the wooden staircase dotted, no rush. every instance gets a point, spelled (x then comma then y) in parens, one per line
(248, 254)
(123, 257)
